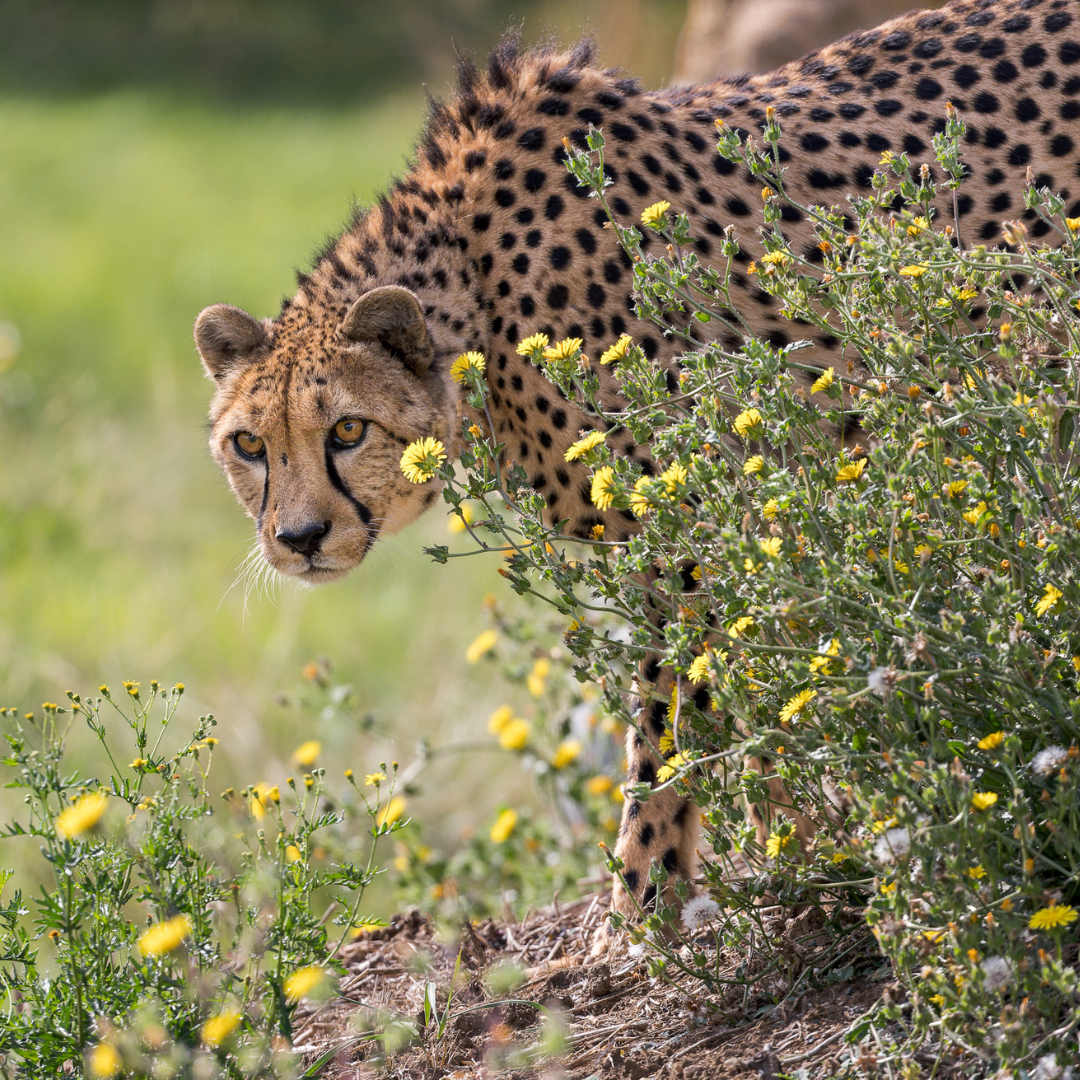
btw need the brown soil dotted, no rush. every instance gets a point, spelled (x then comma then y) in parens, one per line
(617, 1022)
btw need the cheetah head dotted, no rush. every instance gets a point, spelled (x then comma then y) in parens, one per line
(310, 418)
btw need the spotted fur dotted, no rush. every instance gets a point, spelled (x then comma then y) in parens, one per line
(487, 239)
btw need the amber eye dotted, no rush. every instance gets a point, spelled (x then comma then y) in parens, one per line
(348, 432)
(251, 446)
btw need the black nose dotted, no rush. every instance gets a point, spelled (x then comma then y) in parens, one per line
(306, 540)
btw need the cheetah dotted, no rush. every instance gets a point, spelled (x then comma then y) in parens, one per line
(487, 239)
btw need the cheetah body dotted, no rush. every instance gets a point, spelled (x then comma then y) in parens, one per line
(487, 239)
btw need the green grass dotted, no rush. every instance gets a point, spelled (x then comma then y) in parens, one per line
(119, 542)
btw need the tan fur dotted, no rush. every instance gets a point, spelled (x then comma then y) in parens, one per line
(495, 243)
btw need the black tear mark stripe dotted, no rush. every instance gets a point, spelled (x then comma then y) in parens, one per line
(362, 511)
(266, 494)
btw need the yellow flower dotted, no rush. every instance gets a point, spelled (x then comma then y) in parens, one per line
(503, 827)
(467, 361)
(535, 343)
(499, 719)
(983, 800)
(901, 567)
(583, 446)
(105, 1062)
(598, 532)
(515, 734)
(772, 546)
(567, 752)
(775, 258)
(375, 778)
(1049, 600)
(639, 500)
(740, 626)
(302, 981)
(915, 270)
(83, 814)
(776, 843)
(770, 510)
(917, 226)
(617, 351)
(753, 464)
(1072, 223)
(673, 476)
(481, 645)
(293, 853)
(823, 381)
(260, 795)
(391, 811)
(851, 472)
(670, 768)
(973, 515)
(698, 671)
(563, 350)
(218, 1028)
(599, 785)
(536, 678)
(654, 215)
(602, 482)
(1050, 918)
(954, 489)
(421, 459)
(747, 423)
(456, 523)
(976, 872)
(165, 936)
(797, 705)
(991, 742)
(306, 754)
(820, 664)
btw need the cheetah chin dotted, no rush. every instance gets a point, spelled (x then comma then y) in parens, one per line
(487, 239)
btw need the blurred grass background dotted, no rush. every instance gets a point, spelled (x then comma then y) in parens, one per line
(156, 157)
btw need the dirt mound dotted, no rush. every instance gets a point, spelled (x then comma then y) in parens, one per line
(569, 1016)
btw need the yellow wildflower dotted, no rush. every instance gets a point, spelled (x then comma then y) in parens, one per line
(567, 752)
(218, 1028)
(421, 459)
(976, 872)
(563, 350)
(673, 476)
(954, 489)
(456, 523)
(739, 627)
(503, 827)
(1072, 223)
(82, 815)
(515, 734)
(583, 446)
(770, 510)
(482, 644)
(983, 800)
(602, 482)
(796, 705)
(639, 499)
(915, 270)
(598, 532)
(293, 853)
(654, 215)
(306, 754)
(753, 464)
(499, 719)
(1049, 600)
(617, 351)
(698, 671)
(536, 678)
(467, 361)
(772, 546)
(599, 785)
(165, 936)
(823, 381)
(105, 1062)
(775, 258)
(917, 226)
(747, 423)
(851, 472)
(534, 343)
(992, 741)
(391, 811)
(302, 981)
(776, 843)
(1052, 917)
(670, 768)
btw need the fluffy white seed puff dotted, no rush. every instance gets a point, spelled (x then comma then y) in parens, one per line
(1046, 761)
(698, 910)
(997, 973)
(892, 844)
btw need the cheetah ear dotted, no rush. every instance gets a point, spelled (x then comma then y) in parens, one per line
(226, 337)
(392, 316)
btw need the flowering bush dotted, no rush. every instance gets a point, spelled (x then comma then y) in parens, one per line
(887, 618)
(181, 930)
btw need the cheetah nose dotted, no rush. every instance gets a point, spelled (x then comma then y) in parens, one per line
(307, 539)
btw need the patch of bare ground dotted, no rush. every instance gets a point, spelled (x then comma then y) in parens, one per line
(573, 1016)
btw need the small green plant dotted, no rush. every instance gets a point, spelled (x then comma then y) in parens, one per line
(887, 622)
(182, 930)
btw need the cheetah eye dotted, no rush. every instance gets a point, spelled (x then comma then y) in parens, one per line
(249, 446)
(348, 432)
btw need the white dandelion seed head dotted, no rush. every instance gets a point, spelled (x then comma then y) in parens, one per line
(997, 972)
(698, 910)
(879, 681)
(1046, 1068)
(892, 844)
(1046, 761)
